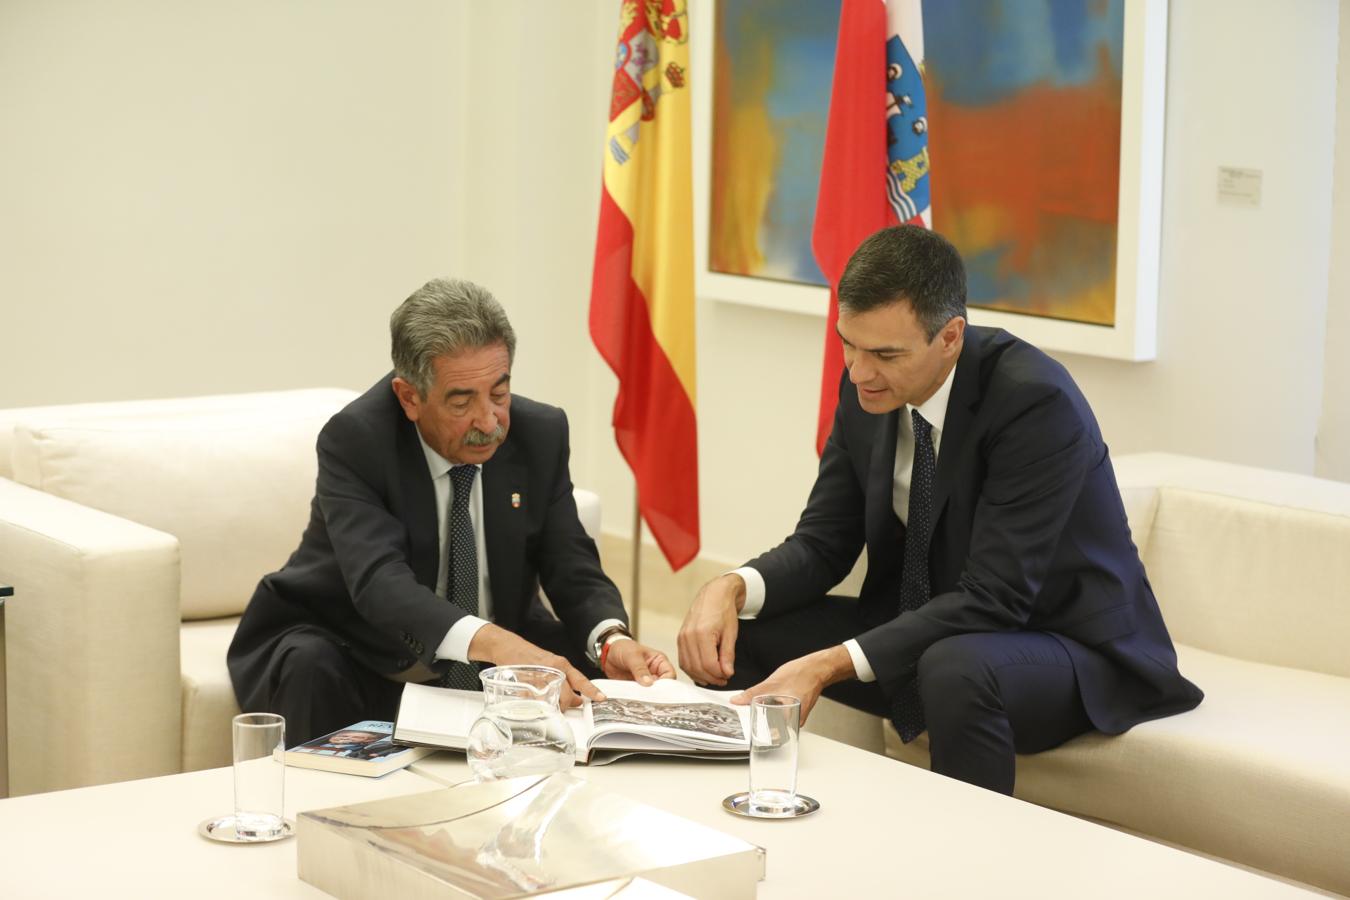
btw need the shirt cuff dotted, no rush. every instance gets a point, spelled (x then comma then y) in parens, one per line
(754, 591)
(455, 644)
(595, 633)
(860, 664)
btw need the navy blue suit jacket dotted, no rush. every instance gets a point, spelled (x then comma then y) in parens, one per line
(1029, 533)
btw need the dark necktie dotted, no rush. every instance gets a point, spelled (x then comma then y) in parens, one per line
(462, 582)
(914, 588)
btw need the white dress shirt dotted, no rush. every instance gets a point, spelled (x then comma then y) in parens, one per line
(934, 412)
(455, 644)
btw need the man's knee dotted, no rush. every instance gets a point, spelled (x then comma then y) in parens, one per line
(954, 675)
(319, 688)
(311, 661)
(753, 659)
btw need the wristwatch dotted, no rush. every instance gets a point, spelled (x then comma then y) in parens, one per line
(604, 637)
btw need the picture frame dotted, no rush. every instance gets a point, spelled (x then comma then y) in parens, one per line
(1132, 336)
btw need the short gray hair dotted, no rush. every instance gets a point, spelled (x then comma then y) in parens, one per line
(443, 316)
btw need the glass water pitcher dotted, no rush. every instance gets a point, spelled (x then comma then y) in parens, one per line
(521, 730)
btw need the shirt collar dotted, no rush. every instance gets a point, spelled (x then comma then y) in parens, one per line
(437, 465)
(934, 409)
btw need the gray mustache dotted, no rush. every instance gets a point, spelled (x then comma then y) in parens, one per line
(475, 438)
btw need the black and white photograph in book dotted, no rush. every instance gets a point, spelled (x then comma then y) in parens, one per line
(705, 718)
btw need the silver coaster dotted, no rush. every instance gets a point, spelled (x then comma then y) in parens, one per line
(740, 805)
(221, 829)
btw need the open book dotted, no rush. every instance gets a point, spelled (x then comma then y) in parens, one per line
(669, 717)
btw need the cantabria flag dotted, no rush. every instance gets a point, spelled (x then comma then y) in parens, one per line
(875, 168)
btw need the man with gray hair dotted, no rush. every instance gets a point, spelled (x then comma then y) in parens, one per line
(442, 504)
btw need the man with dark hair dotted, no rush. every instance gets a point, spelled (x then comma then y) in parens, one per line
(1005, 608)
(432, 529)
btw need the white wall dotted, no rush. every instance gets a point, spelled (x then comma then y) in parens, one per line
(1242, 298)
(535, 108)
(201, 197)
(1333, 438)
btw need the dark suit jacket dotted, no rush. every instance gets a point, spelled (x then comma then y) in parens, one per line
(365, 571)
(1029, 533)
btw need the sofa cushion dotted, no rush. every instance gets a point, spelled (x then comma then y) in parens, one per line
(1251, 579)
(208, 698)
(122, 409)
(1257, 773)
(232, 481)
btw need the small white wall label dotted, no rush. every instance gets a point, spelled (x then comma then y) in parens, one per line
(1239, 187)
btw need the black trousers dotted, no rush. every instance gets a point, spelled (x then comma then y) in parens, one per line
(986, 696)
(323, 688)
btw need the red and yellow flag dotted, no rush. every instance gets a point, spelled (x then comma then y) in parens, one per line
(642, 289)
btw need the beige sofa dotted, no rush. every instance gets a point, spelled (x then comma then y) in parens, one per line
(134, 534)
(1252, 571)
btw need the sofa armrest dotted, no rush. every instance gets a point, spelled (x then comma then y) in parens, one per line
(92, 647)
(588, 511)
(1138, 476)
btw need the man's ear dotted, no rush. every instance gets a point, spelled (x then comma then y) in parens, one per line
(409, 398)
(952, 333)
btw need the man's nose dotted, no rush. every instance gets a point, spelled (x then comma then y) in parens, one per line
(858, 372)
(485, 418)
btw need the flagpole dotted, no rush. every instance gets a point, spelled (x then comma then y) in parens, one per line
(636, 590)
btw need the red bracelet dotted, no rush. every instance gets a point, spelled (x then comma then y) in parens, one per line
(609, 642)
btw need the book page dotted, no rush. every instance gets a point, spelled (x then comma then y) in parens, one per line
(668, 715)
(440, 717)
(668, 711)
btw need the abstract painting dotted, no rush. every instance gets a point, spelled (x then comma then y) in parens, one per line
(1045, 145)
(771, 97)
(1024, 112)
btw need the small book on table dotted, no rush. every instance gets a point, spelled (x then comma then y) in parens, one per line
(366, 748)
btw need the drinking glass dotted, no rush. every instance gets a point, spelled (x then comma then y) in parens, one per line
(775, 720)
(259, 776)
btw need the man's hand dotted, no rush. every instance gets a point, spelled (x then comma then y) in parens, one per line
(496, 645)
(707, 639)
(804, 678)
(637, 662)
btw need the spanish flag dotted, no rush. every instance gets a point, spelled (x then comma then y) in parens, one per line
(642, 289)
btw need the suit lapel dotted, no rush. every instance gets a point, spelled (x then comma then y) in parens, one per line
(424, 550)
(880, 482)
(960, 414)
(505, 518)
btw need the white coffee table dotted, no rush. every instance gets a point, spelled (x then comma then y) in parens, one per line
(139, 838)
(884, 829)
(887, 829)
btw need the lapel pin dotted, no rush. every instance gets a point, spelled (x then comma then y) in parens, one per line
(515, 501)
